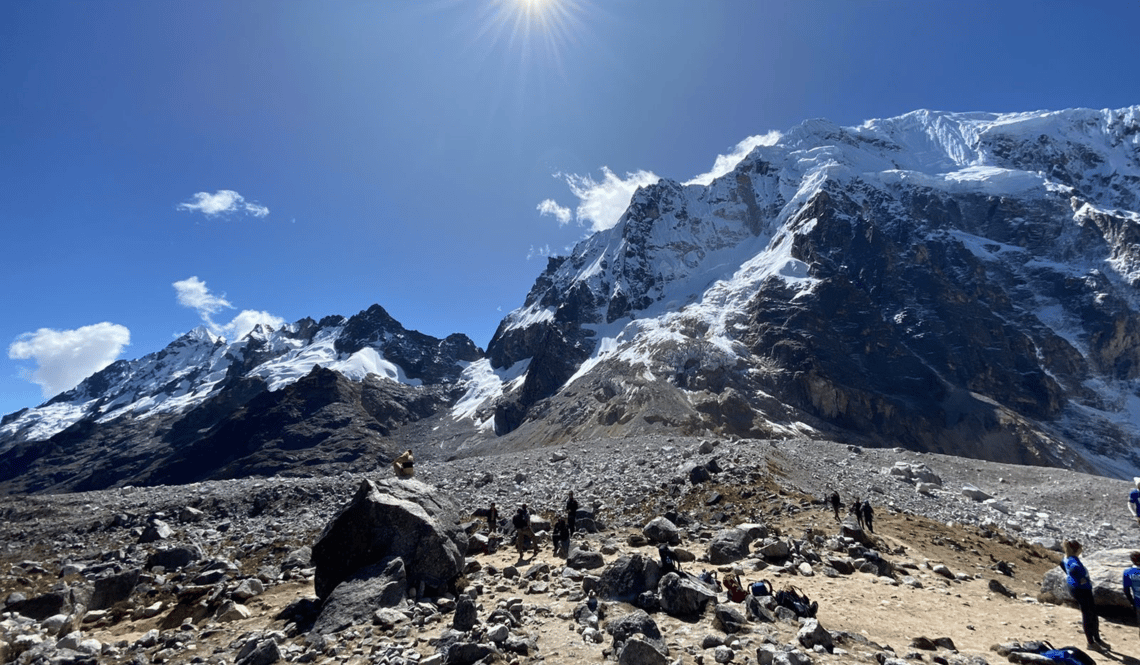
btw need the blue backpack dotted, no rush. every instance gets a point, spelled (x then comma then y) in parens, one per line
(1068, 656)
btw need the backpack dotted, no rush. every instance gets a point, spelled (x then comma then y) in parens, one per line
(761, 588)
(797, 601)
(519, 520)
(736, 592)
(710, 579)
(1068, 656)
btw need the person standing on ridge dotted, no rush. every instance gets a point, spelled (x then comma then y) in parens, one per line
(1132, 583)
(1080, 585)
(402, 465)
(571, 511)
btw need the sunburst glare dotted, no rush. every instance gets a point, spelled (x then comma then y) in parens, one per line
(535, 28)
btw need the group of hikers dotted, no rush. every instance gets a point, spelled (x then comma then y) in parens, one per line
(560, 533)
(1080, 584)
(862, 511)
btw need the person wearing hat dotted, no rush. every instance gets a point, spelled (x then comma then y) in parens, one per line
(1134, 500)
(1132, 583)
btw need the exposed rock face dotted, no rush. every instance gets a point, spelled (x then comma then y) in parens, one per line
(1105, 567)
(391, 519)
(961, 284)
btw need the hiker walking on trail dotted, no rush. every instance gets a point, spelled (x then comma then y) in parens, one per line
(523, 530)
(1134, 500)
(835, 504)
(867, 515)
(571, 511)
(1132, 583)
(1077, 577)
(857, 512)
(561, 538)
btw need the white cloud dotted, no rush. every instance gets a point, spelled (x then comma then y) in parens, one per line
(562, 214)
(600, 204)
(726, 163)
(223, 201)
(536, 252)
(193, 293)
(65, 357)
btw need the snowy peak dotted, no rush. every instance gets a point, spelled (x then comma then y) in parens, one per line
(958, 282)
(199, 365)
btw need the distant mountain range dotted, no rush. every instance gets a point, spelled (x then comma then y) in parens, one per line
(963, 283)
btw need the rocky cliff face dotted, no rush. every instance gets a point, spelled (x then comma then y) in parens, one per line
(956, 283)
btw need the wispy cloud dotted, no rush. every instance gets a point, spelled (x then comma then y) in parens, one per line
(726, 163)
(600, 203)
(222, 202)
(65, 357)
(193, 293)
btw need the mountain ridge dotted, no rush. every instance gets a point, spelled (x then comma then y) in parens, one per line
(961, 283)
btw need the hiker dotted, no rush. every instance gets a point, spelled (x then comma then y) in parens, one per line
(669, 561)
(868, 516)
(402, 465)
(1132, 583)
(523, 530)
(1077, 577)
(1134, 500)
(492, 518)
(835, 504)
(571, 511)
(857, 512)
(561, 536)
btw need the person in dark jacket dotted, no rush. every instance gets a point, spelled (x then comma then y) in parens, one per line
(1080, 585)
(492, 518)
(571, 511)
(868, 514)
(561, 538)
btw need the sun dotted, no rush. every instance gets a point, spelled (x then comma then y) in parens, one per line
(534, 27)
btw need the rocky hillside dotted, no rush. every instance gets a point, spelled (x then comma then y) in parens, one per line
(231, 571)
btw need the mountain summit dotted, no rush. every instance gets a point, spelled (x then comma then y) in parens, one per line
(962, 283)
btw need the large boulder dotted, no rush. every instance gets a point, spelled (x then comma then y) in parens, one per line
(637, 623)
(1105, 569)
(354, 600)
(628, 577)
(661, 530)
(392, 518)
(683, 596)
(729, 545)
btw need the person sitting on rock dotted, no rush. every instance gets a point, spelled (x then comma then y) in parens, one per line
(402, 465)
(561, 537)
(1132, 583)
(669, 561)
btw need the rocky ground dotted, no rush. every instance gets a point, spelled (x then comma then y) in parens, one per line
(959, 552)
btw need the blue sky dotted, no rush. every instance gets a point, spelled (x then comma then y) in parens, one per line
(166, 165)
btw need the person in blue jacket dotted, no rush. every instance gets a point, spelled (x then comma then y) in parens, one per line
(1080, 585)
(1132, 583)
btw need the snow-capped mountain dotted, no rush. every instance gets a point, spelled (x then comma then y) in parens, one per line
(152, 411)
(963, 283)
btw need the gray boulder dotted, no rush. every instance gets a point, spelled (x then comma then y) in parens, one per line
(174, 558)
(466, 615)
(728, 619)
(43, 606)
(729, 545)
(812, 634)
(387, 519)
(661, 530)
(111, 589)
(1105, 568)
(637, 623)
(683, 596)
(584, 559)
(638, 651)
(628, 577)
(355, 600)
